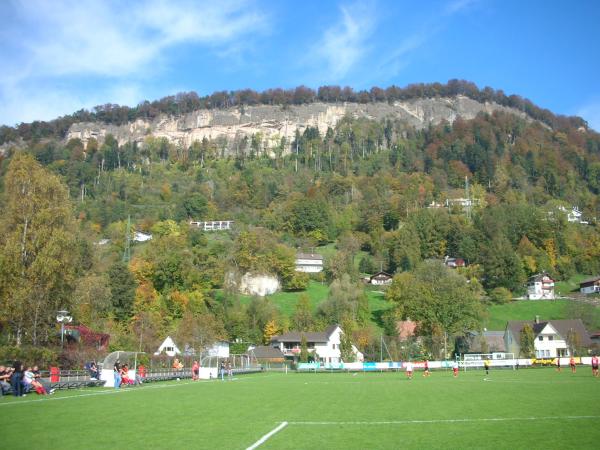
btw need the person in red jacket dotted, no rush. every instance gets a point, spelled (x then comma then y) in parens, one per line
(572, 364)
(195, 370)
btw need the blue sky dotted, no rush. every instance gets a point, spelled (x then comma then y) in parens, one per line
(61, 56)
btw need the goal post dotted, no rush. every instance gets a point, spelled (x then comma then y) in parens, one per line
(498, 360)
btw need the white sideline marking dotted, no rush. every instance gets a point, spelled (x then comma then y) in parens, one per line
(408, 422)
(112, 391)
(264, 439)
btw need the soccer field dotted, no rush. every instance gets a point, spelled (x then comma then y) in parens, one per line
(533, 408)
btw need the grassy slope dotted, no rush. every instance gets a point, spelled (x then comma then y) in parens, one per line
(570, 285)
(232, 415)
(525, 310)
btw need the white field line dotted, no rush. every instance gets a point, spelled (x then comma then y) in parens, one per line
(111, 391)
(264, 439)
(409, 422)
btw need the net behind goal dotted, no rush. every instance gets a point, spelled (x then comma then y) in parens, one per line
(476, 361)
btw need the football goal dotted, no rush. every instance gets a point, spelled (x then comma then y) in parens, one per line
(476, 361)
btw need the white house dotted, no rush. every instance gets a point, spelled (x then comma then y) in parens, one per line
(590, 285)
(138, 236)
(213, 225)
(168, 347)
(381, 279)
(551, 337)
(574, 215)
(325, 344)
(540, 287)
(309, 262)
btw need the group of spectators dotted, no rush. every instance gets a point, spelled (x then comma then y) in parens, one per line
(122, 377)
(23, 380)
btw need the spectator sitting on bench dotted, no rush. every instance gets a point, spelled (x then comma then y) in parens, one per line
(5, 373)
(29, 382)
(37, 376)
(94, 372)
(125, 375)
(177, 365)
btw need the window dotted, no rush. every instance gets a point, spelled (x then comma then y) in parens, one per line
(540, 338)
(550, 338)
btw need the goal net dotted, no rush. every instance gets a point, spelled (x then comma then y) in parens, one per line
(476, 361)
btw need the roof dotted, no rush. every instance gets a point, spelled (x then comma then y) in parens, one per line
(383, 275)
(561, 326)
(311, 336)
(314, 256)
(493, 339)
(590, 280)
(267, 352)
(539, 277)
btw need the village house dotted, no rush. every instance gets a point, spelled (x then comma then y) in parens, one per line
(540, 287)
(381, 279)
(265, 354)
(590, 285)
(324, 345)
(213, 225)
(309, 262)
(553, 338)
(454, 262)
(168, 347)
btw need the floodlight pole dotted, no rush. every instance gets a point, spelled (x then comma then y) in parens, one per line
(63, 316)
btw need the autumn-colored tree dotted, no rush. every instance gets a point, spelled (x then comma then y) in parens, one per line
(38, 260)
(271, 329)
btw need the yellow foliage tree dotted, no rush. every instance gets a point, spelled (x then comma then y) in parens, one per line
(271, 329)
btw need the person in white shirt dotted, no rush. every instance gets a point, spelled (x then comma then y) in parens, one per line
(409, 370)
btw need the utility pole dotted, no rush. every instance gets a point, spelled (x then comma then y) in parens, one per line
(468, 197)
(127, 251)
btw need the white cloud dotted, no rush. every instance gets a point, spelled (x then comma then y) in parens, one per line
(47, 45)
(591, 113)
(343, 45)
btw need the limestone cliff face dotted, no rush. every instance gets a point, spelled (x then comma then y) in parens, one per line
(275, 122)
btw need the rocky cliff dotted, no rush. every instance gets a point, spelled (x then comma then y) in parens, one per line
(276, 122)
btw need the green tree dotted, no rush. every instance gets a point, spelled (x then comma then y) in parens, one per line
(122, 288)
(303, 357)
(436, 296)
(346, 352)
(302, 319)
(38, 255)
(526, 341)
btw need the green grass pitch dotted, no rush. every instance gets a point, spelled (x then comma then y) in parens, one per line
(532, 408)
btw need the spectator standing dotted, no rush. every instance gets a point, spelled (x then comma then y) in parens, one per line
(16, 379)
(195, 370)
(222, 370)
(117, 374)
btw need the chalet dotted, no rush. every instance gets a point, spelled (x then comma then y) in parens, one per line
(486, 342)
(168, 347)
(540, 287)
(213, 225)
(454, 262)
(325, 346)
(551, 337)
(309, 262)
(590, 285)
(266, 354)
(381, 279)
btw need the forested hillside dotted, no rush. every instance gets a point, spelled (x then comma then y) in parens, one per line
(381, 194)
